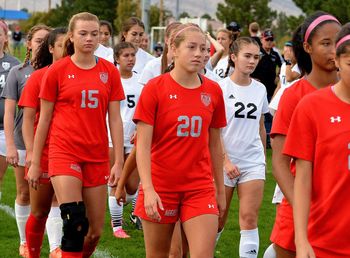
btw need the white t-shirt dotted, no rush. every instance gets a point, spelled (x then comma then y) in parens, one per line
(132, 90)
(244, 106)
(221, 67)
(284, 85)
(142, 58)
(151, 70)
(105, 53)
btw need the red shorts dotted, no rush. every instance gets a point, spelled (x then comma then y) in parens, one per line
(90, 173)
(283, 230)
(180, 205)
(44, 178)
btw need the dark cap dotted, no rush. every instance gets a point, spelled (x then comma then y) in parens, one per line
(267, 34)
(234, 26)
(288, 44)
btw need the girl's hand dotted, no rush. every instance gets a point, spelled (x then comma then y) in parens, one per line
(304, 250)
(152, 202)
(120, 194)
(232, 171)
(12, 156)
(34, 173)
(114, 176)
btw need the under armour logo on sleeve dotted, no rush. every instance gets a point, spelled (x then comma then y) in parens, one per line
(335, 119)
(70, 76)
(173, 96)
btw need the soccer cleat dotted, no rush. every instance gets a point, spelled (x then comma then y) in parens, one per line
(120, 233)
(57, 253)
(136, 220)
(23, 250)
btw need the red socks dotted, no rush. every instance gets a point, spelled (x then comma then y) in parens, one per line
(72, 254)
(34, 235)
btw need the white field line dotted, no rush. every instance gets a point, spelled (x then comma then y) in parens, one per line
(98, 252)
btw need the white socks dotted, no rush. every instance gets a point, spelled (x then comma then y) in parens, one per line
(116, 212)
(249, 243)
(218, 235)
(54, 226)
(22, 214)
(270, 252)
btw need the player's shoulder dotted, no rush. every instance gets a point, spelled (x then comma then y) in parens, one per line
(317, 99)
(62, 63)
(210, 84)
(9, 59)
(38, 74)
(224, 83)
(256, 85)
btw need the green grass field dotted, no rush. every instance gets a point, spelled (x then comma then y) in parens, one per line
(134, 247)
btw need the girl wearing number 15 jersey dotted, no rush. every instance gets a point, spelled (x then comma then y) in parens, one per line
(244, 141)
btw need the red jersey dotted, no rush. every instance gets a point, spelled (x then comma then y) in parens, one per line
(320, 133)
(81, 98)
(181, 118)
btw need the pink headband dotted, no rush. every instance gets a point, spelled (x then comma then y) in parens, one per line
(182, 30)
(4, 26)
(342, 40)
(316, 22)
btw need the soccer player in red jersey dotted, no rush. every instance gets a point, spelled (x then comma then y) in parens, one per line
(76, 94)
(41, 197)
(321, 122)
(15, 148)
(314, 46)
(179, 116)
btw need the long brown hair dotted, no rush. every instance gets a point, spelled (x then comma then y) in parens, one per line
(168, 31)
(128, 24)
(68, 45)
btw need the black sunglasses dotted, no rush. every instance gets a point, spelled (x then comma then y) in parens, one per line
(269, 39)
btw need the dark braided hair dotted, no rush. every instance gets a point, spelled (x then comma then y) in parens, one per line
(44, 57)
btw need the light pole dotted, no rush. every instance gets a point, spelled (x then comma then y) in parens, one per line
(145, 13)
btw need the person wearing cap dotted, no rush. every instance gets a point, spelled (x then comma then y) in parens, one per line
(235, 28)
(266, 71)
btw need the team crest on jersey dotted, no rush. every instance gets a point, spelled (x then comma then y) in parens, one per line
(6, 65)
(205, 98)
(104, 77)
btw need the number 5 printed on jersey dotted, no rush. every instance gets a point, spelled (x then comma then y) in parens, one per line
(92, 100)
(189, 127)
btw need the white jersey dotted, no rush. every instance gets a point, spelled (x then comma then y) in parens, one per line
(221, 67)
(142, 58)
(244, 106)
(212, 76)
(151, 70)
(284, 85)
(105, 53)
(132, 90)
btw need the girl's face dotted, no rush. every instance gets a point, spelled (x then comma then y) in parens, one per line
(35, 42)
(224, 39)
(105, 35)
(207, 53)
(126, 59)
(190, 53)
(85, 36)
(247, 58)
(134, 35)
(322, 47)
(3, 39)
(343, 63)
(57, 49)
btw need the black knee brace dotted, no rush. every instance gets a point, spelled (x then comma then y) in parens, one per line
(75, 226)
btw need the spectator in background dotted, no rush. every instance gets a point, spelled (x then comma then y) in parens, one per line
(145, 42)
(158, 49)
(266, 71)
(254, 32)
(17, 41)
(235, 28)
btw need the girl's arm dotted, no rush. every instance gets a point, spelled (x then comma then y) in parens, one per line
(143, 157)
(262, 132)
(216, 154)
(46, 110)
(301, 208)
(11, 150)
(116, 129)
(219, 50)
(28, 132)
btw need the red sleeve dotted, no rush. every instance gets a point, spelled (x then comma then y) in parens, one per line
(147, 106)
(301, 138)
(30, 94)
(117, 92)
(284, 113)
(219, 115)
(49, 85)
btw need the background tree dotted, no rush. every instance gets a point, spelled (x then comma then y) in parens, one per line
(126, 9)
(339, 8)
(284, 26)
(246, 11)
(184, 15)
(155, 14)
(206, 16)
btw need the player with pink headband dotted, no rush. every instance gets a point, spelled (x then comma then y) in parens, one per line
(179, 153)
(314, 47)
(321, 191)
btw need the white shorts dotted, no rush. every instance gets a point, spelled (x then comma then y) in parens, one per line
(21, 153)
(257, 173)
(277, 195)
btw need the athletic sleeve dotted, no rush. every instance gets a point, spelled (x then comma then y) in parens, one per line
(219, 114)
(30, 93)
(265, 106)
(117, 92)
(147, 74)
(146, 108)
(10, 90)
(301, 138)
(49, 85)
